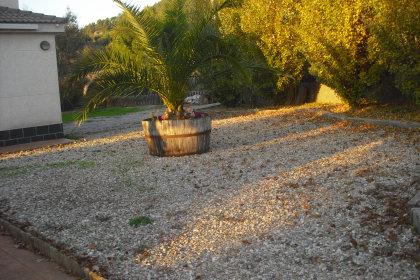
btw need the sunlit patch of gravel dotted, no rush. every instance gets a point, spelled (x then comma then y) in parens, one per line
(283, 194)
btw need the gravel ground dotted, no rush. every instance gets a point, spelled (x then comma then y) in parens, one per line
(284, 194)
(103, 126)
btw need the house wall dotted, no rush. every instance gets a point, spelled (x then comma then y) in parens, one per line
(29, 93)
(14, 4)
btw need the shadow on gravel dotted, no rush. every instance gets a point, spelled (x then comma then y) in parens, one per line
(253, 210)
(238, 119)
(251, 191)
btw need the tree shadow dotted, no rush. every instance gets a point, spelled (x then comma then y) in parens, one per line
(242, 189)
(251, 211)
(239, 119)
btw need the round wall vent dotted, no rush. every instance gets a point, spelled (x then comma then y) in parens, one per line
(45, 45)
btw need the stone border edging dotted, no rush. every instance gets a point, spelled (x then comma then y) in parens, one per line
(414, 204)
(414, 211)
(205, 106)
(415, 219)
(34, 243)
(402, 124)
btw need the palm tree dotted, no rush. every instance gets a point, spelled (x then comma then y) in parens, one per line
(157, 54)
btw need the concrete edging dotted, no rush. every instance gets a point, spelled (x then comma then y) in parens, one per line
(34, 145)
(414, 205)
(402, 124)
(415, 219)
(33, 243)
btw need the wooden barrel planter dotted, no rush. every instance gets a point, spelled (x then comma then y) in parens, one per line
(178, 137)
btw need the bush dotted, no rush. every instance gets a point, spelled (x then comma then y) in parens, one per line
(69, 44)
(396, 29)
(253, 85)
(366, 50)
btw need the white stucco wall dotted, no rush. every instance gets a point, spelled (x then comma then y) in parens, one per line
(14, 4)
(29, 94)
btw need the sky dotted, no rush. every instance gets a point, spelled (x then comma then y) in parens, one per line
(87, 11)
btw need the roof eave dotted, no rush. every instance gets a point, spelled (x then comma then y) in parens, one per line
(32, 27)
(10, 15)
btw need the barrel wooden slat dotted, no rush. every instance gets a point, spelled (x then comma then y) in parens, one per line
(177, 137)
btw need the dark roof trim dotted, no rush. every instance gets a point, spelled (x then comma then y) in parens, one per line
(8, 15)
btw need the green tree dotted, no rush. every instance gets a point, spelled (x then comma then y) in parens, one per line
(257, 82)
(336, 40)
(368, 51)
(69, 44)
(99, 33)
(397, 34)
(272, 25)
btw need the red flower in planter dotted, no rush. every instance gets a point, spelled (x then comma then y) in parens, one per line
(192, 115)
(198, 114)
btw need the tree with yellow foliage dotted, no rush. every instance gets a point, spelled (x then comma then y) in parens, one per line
(367, 50)
(396, 28)
(273, 24)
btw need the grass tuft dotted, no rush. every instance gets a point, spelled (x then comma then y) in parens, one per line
(15, 171)
(140, 221)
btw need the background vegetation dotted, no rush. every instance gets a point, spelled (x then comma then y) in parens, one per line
(367, 50)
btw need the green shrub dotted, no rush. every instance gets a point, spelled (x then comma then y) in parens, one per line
(368, 51)
(69, 44)
(140, 221)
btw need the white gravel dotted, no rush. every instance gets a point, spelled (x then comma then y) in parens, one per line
(284, 194)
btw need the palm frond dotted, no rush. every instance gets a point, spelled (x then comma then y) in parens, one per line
(143, 27)
(157, 54)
